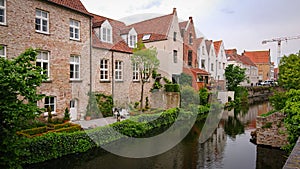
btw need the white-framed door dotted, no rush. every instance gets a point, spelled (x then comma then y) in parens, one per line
(73, 109)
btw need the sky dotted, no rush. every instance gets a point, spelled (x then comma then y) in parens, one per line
(241, 24)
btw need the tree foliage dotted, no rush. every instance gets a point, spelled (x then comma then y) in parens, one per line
(289, 71)
(145, 59)
(19, 79)
(234, 76)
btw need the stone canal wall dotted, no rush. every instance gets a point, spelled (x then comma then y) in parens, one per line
(270, 130)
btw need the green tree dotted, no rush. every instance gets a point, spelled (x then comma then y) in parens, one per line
(234, 76)
(146, 61)
(19, 79)
(289, 71)
(185, 80)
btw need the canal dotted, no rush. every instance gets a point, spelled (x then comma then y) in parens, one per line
(229, 147)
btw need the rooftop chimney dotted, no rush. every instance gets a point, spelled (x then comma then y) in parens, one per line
(174, 10)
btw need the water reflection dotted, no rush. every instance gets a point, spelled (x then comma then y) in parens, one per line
(228, 147)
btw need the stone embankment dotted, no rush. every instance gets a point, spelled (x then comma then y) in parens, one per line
(270, 130)
(294, 159)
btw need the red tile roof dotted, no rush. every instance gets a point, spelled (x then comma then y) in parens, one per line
(258, 56)
(71, 4)
(230, 51)
(246, 60)
(158, 27)
(117, 26)
(217, 45)
(208, 45)
(199, 71)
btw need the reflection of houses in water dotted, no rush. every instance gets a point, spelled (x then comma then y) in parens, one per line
(212, 150)
(249, 118)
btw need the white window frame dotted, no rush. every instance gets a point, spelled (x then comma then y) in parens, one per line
(135, 72)
(42, 18)
(42, 61)
(132, 41)
(74, 25)
(106, 32)
(104, 70)
(4, 51)
(75, 64)
(4, 13)
(118, 70)
(53, 104)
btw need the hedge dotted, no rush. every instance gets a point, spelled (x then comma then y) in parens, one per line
(55, 145)
(172, 88)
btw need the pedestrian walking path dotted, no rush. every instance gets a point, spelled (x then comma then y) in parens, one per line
(89, 124)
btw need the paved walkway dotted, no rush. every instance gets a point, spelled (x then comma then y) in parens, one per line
(294, 159)
(96, 122)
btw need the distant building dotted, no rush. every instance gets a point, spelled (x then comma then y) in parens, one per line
(262, 60)
(243, 62)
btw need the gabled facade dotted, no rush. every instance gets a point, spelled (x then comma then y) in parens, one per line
(212, 60)
(203, 57)
(200, 77)
(262, 59)
(61, 30)
(163, 33)
(221, 60)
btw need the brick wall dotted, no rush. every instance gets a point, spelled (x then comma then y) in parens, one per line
(270, 130)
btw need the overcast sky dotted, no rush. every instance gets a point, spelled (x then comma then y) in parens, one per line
(241, 24)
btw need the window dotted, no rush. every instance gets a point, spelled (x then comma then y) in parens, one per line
(3, 12)
(202, 63)
(74, 30)
(223, 65)
(190, 38)
(146, 37)
(118, 71)
(103, 70)
(43, 62)
(50, 102)
(132, 41)
(2, 51)
(41, 21)
(199, 78)
(175, 56)
(106, 32)
(212, 67)
(135, 72)
(190, 58)
(203, 53)
(219, 65)
(174, 37)
(74, 68)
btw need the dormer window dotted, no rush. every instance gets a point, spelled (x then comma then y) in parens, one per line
(106, 32)
(132, 38)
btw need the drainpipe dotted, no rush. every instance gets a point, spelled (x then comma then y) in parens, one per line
(91, 55)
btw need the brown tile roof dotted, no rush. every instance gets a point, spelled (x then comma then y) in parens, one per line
(199, 71)
(158, 27)
(217, 45)
(258, 56)
(198, 41)
(182, 25)
(246, 60)
(230, 51)
(71, 4)
(117, 26)
(232, 55)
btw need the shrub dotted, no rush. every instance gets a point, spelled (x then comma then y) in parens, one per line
(172, 88)
(67, 114)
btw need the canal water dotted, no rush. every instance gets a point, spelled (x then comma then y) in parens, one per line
(229, 147)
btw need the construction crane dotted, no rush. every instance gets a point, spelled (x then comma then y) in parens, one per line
(279, 40)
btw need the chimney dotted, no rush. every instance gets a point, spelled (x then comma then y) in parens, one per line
(174, 10)
(190, 18)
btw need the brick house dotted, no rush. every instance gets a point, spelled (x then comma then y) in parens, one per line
(190, 56)
(163, 33)
(61, 30)
(113, 73)
(262, 60)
